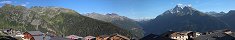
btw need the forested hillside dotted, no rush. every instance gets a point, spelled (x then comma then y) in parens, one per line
(60, 21)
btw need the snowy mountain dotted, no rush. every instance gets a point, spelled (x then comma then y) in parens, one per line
(183, 19)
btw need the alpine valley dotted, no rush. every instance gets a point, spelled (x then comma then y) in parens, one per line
(120, 21)
(63, 21)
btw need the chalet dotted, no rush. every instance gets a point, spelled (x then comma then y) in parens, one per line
(227, 31)
(194, 34)
(38, 35)
(217, 35)
(180, 35)
(118, 37)
(74, 37)
(8, 31)
(27, 36)
(90, 38)
(102, 37)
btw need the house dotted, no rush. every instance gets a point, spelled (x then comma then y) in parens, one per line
(18, 34)
(225, 37)
(27, 36)
(102, 37)
(13, 33)
(38, 35)
(112, 37)
(90, 38)
(226, 31)
(8, 31)
(180, 35)
(217, 35)
(194, 34)
(74, 37)
(118, 37)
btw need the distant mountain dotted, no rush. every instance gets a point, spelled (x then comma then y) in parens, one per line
(183, 19)
(120, 21)
(60, 21)
(139, 20)
(215, 14)
(229, 18)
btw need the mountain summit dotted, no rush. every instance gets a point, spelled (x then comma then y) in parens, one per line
(181, 10)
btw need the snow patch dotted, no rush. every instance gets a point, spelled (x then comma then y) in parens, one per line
(189, 5)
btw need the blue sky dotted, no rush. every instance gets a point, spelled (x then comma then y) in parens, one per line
(135, 9)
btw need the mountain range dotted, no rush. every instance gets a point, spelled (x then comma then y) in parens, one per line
(56, 20)
(229, 19)
(62, 21)
(183, 18)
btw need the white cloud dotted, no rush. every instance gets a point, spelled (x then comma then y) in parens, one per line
(6, 2)
(25, 4)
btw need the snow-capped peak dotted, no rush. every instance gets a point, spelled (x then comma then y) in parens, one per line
(184, 5)
(189, 5)
(180, 8)
(180, 5)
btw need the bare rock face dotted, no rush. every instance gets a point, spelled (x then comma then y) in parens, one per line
(36, 22)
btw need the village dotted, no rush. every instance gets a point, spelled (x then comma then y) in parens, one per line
(224, 34)
(38, 35)
(170, 35)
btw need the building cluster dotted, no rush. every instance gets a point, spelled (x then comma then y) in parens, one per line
(11, 32)
(29, 35)
(170, 35)
(190, 35)
(38, 35)
(101, 37)
(185, 35)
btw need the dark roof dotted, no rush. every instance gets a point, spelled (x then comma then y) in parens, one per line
(209, 36)
(35, 32)
(119, 36)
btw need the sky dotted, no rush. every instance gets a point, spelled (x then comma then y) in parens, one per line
(135, 9)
